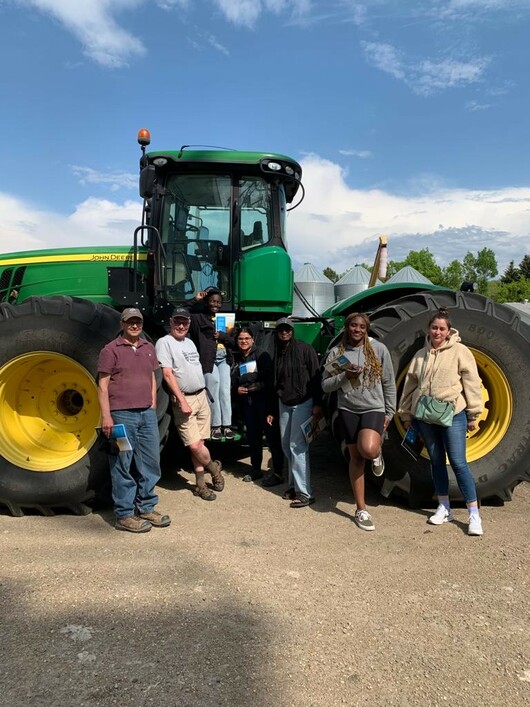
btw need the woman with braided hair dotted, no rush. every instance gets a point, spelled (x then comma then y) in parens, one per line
(366, 402)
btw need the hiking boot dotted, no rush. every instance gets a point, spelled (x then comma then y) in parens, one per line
(475, 525)
(157, 519)
(363, 520)
(228, 433)
(205, 493)
(441, 515)
(378, 465)
(218, 481)
(216, 433)
(133, 524)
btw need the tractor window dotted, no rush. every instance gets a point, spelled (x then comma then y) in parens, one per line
(195, 231)
(256, 212)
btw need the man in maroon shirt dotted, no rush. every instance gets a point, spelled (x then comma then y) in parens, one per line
(127, 396)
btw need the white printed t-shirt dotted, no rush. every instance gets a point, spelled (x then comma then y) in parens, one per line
(183, 358)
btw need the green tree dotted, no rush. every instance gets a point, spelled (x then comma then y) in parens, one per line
(516, 291)
(453, 275)
(480, 268)
(393, 266)
(423, 261)
(524, 267)
(511, 274)
(331, 274)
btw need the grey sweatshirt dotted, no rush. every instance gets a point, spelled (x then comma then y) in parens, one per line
(358, 398)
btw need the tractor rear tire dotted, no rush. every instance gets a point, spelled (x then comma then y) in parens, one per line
(499, 451)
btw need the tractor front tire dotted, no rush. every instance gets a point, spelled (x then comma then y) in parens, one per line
(50, 452)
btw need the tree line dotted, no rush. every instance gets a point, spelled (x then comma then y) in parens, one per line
(480, 269)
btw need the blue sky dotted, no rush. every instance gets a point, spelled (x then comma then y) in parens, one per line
(410, 117)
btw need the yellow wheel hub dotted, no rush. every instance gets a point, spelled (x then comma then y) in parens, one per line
(49, 411)
(498, 408)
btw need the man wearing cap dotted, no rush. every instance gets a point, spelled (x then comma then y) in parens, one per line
(297, 384)
(127, 396)
(182, 370)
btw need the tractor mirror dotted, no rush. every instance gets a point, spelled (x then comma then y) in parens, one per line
(147, 181)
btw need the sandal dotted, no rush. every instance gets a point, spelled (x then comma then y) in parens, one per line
(301, 501)
(289, 495)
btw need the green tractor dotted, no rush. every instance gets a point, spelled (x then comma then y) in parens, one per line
(211, 217)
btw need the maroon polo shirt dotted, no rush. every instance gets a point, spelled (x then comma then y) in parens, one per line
(131, 373)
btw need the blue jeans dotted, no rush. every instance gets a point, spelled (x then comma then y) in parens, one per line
(294, 445)
(218, 384)
(451, 440)
(130, 492)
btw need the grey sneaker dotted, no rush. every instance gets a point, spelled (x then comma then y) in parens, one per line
(475, 525)
(378, 465)
(363, 520)
(133, 524)
(216, 433)
(441, 515)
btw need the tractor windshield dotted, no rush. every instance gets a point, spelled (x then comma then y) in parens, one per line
(208, 221)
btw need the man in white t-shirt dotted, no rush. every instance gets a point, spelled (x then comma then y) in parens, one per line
(182, 370)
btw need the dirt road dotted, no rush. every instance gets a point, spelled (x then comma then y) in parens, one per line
(245, 601)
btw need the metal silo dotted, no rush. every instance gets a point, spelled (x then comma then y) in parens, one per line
(354, 281)
(315, 287)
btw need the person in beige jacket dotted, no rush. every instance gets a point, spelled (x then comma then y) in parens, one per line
(445, 369)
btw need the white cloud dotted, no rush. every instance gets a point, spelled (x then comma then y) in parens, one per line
(469, 8)
(352, 220)
(385, 57)
(94, 222)
(427, 76)
(115, 180)
(335, 225)
(246, 12)
(473, 106)
(93, 23)
(361, 154)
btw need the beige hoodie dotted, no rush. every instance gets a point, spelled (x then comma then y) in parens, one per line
(447, 373)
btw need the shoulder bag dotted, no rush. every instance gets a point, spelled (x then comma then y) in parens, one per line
(432, 410)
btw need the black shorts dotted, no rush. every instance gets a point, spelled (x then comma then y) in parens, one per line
(352, 423)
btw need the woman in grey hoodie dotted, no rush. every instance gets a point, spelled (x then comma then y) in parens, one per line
(360, 370)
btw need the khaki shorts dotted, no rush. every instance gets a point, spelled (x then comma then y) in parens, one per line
(196, 426)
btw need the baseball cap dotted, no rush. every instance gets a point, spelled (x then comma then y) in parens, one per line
(284, 321)
(130, 313)
(180, 312)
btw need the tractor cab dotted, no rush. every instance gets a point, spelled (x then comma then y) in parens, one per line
(216, 218)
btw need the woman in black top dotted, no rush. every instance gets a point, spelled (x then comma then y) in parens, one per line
(252, 384)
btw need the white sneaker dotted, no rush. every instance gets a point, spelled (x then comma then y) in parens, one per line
(378, 465)
(441, 515)
(475, 525)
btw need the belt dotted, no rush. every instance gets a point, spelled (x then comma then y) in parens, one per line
(195, 392)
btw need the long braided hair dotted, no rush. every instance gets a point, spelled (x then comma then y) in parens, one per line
(373, 369)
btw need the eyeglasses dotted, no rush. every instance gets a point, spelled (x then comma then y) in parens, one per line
(181, 323)
(138, 324)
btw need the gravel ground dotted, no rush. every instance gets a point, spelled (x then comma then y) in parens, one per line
(246, 602)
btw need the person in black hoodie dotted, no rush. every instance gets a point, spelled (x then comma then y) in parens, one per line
(252, 385)
(215, 353)
(297, 384)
